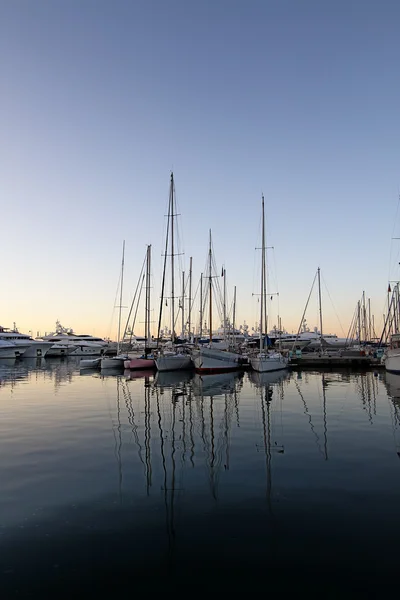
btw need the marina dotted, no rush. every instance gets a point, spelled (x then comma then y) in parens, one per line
(116, 475)
(200, 299)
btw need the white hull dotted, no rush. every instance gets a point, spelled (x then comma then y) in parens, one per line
(392, 361)
(265, 363)
(173, 362)
(88, 350)
(90, 363)
(12, 350)
(60, 350)
(212, 360)
(37, 349)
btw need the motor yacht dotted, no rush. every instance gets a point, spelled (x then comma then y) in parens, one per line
(28, 347)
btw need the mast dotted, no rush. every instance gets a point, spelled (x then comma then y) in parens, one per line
(147, 309)
(120, 296)
(164, 268)
(369, 320)
(210, 289)
(234, 310)
(320, 303)
(364, 317)
(201, 305)
(224, 275)
(190, 297)
(262, 277)
(172, 261)
(183, 303)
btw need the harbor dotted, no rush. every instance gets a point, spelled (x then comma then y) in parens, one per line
(200, 299)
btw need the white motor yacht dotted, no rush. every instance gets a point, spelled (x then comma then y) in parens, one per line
(11, 350)
(80, 345)
(31, 348)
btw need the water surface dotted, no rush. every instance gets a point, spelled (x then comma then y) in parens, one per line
(278, 483)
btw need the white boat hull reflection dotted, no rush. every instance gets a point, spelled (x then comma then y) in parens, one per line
(215, 385)
(169, 379)
(267, 378)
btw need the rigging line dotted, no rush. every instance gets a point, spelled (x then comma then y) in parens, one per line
(337, 316)
(305, 309)
(134, 300)
(114, 305)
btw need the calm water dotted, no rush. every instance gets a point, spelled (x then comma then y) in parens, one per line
(236, 482)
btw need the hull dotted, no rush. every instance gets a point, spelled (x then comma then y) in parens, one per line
(173, 362)
(140, 363)
(113, 362)
(392, 361)
(90, 363)
(60, 350)
(37, 350)
(12, 351)
(85, 350)
(264, 363)
(211, 360)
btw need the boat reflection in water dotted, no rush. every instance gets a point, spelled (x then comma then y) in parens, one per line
(266, 379)
(139, 374)
(171, 379)
(216, 385)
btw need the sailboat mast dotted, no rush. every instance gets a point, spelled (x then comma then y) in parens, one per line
(190, 297)
(224, 274)
(183, 304)
(262, 277)
(234, 310)
(210, 289)
(201, 305)
(172, 261)
(364, 318)
(147, 323)
(120, 296)
(320, 303)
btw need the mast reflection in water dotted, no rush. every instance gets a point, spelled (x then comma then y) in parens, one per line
(126, 482)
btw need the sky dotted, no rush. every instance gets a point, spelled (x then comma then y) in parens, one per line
(101, 100)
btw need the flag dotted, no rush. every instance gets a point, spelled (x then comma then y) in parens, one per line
(389, 289)
(222, 274)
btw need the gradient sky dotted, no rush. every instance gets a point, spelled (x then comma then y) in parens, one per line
(101, 100)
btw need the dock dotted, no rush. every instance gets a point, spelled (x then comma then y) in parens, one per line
(324, 360)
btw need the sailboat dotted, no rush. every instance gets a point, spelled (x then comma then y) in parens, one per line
(265, 361)
(117, 362)
(178, 359)
(208, 359)
(146, 361)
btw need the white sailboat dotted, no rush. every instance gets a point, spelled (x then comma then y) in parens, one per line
(265, 361)
(171, 359)
(391, 357)
(208, 359)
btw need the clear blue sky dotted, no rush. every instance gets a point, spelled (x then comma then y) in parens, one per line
(100, 100)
